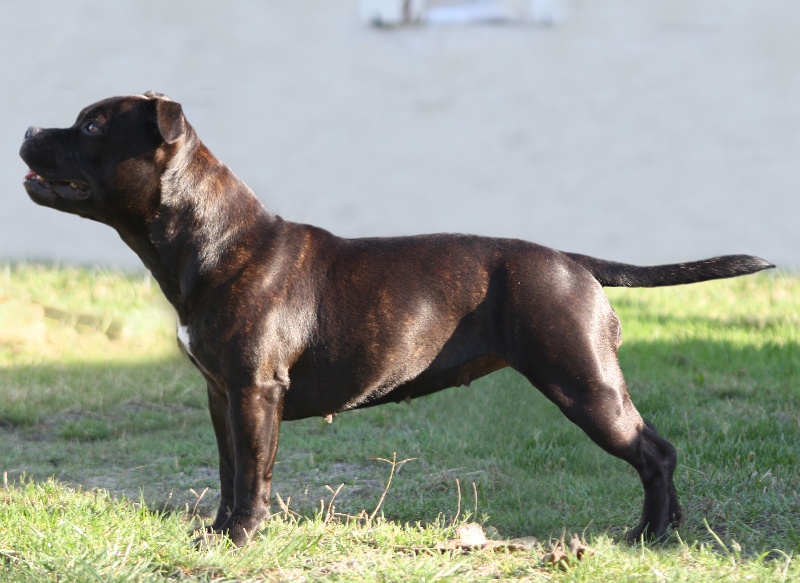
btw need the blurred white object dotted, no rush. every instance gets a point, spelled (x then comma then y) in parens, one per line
(390, 12)
(467, 11)
(399, 12)
(547, 12)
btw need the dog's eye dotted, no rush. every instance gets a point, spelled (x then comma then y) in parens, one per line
(91, 128)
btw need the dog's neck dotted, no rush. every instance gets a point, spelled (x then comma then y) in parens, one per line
(204, 229)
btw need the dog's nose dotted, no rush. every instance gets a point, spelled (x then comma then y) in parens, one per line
(32, 131)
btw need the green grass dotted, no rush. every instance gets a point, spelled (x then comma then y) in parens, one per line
(110, 462)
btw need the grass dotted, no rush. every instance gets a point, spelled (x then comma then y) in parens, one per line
(109, 457)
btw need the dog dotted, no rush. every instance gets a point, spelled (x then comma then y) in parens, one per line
(287, 321)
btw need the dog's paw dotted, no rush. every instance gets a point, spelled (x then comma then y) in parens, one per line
(206, 539)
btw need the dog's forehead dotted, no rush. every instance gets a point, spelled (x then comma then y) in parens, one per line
(110, 105)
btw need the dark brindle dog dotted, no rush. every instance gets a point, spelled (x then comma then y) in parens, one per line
(287, 321)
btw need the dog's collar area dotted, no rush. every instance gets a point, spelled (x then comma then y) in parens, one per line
(67, 189)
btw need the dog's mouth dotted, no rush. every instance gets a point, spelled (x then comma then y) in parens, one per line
(70, 190)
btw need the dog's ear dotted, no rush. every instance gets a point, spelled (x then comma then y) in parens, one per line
(169, 116)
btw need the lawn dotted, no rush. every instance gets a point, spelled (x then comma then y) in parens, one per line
(109, 461)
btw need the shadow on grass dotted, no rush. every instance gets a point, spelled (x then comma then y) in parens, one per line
(496, 450)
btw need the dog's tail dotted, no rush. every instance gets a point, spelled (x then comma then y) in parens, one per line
(613, 274)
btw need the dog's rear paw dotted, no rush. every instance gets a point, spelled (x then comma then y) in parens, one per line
(237, 530)
(207, 538)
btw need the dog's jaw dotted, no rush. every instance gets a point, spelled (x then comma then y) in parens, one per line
(47, 192)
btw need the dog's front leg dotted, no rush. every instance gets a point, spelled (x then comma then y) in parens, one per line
(220, 419)
(254, 414)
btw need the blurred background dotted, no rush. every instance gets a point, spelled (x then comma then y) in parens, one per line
(646, 132)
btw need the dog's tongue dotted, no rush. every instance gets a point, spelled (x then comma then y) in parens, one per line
(31, 174)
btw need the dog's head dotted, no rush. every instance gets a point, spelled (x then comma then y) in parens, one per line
(108, 165)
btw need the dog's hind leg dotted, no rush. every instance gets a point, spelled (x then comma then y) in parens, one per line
(573, 361)
(607, 415)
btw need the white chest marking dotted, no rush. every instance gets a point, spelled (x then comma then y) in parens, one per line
(185, 339)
